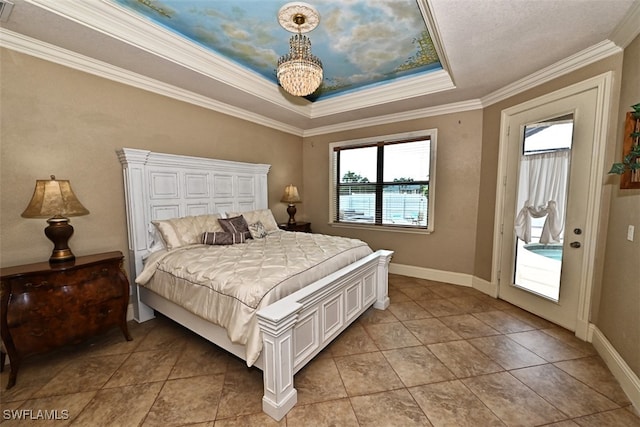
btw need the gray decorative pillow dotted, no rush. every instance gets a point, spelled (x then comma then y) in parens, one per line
(222, 238)
(265, 216)
(257, 230)
(237, 224)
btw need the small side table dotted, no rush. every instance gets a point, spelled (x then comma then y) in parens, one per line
(44, 306)
(304, 227)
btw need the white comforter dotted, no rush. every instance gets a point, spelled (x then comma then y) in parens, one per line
(227, 285)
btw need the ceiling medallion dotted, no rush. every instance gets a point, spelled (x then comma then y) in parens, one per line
(299, 72)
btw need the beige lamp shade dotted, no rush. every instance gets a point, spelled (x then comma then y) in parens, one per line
(53, 198)
(291, 194)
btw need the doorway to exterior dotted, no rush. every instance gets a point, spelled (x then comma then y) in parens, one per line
(541, 197)
(547, 204)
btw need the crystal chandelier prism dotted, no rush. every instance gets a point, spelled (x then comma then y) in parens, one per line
(299, 72)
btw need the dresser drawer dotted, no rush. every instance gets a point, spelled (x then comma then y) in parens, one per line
(47, 306)
(67, 278)
(43, 299)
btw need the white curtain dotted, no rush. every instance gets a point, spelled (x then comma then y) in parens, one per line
(542, 191)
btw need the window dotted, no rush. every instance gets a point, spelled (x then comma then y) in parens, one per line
(384, 182)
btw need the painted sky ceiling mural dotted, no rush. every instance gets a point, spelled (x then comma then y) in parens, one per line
(360, 43)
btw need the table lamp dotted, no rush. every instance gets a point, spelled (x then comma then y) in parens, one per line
(54, 199)
(291, 196)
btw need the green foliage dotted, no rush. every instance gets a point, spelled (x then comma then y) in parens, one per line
(630, 162)
(353, 177)
(617, 169)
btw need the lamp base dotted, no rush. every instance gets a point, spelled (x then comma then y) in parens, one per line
(291, 210)
(59, 231)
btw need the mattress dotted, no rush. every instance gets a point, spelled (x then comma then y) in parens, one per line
(228, 284)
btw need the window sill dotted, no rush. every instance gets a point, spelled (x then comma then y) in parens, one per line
(385, 228)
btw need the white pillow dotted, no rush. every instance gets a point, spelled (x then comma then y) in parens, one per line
(177, 232)
(265, 216)
(257, 230)
(157, 243)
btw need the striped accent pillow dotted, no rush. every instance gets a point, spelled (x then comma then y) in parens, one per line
(222, 238)
(237, 224)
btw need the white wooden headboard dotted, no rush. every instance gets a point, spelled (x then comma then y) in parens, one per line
(162, 186)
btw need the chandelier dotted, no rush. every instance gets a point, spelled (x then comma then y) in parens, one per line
(299, 72)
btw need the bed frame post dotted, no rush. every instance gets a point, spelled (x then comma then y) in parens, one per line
(133, 163)
(278, 357)
(382, 299)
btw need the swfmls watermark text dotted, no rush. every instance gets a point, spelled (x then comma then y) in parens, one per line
(35, 414)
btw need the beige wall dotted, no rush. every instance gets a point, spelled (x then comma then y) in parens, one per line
(59, 121)
(615, 306)
(619, 310)
(489, 156)
(56, 120)
(451, 246)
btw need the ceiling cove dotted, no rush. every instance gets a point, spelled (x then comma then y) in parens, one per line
(110, 39)
(116, 19)
(361, 44)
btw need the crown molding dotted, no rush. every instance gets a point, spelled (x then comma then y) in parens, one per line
(55, 54)
(119, 23)
(258, 86)
(574, 62)
(629, 28)
(29, 46)
(400, 89)
(39, 49)
(434, 31)
(439, 110)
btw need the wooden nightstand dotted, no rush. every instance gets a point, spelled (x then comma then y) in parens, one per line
(304, 227)
(44, 306)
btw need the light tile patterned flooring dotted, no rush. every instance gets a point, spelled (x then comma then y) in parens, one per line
(441, 355)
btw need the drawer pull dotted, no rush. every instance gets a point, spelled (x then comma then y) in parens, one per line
(38, 333)
(36, 285)
(102, 272)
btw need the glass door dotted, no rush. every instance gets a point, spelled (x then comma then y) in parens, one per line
(541, 205)
(546, 188)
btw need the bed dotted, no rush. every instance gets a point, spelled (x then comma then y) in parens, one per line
(292, 329)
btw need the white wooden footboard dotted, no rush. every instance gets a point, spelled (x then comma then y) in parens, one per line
(295, 328)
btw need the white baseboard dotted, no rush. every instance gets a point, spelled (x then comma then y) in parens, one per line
(461, 279)
(628, 380)
(431, 274)
(485, 286)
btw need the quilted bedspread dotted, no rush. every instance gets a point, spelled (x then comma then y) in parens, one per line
(227, 285)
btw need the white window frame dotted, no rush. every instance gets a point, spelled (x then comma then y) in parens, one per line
(432, 134)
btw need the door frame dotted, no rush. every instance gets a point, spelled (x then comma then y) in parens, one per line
(602, 83)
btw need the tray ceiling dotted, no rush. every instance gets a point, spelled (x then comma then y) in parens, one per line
(383, 60)
(360, 43)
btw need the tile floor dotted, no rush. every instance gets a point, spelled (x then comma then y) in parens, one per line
(441, 355)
